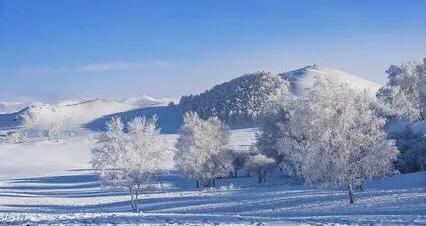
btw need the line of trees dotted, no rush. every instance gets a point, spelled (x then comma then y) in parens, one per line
(128, 156)
(201, 153)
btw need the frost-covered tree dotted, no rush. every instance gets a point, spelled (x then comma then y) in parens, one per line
(405, 92)
(332, 136)
(259, 164)
(272, 129)
(243, 99)
(54, 132)
(405, 95)
(129, 160)
(201, 152)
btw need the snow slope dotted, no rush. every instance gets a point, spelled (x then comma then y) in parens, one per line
(73, 113)
(304, 78)
(39, 116)
(9, 107)
(144, 101)
(51, 183)
(170, 119)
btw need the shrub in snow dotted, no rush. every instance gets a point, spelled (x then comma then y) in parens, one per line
(259, 164)
(332, 136)
(412, 145)
(405, 91)
(128, 160)
(229, 187)
(15, 137)
(200, 149)
(239, 158)
(244, 98)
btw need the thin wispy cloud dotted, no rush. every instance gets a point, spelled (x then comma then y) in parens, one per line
(107, 66)
(121, 65)
(35, 70)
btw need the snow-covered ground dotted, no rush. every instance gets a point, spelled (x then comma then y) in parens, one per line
(46, 182)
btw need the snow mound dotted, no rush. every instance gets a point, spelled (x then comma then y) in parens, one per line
(304, 78)
(145, 100)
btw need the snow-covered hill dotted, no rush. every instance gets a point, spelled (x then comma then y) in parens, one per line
(9, 107)
(67, 115)
(245, 98)
(74, 116)
(304, 78)
(242, 99)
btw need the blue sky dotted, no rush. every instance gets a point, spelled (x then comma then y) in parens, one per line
(65, 49)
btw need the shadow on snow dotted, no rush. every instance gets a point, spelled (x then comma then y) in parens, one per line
(169, 118)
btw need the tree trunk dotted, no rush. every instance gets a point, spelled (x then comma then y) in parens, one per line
(134, 195)
(360, 186)
(259, 176)
(264, 176)
(351, 195)
(136, 203)
(132, 199)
